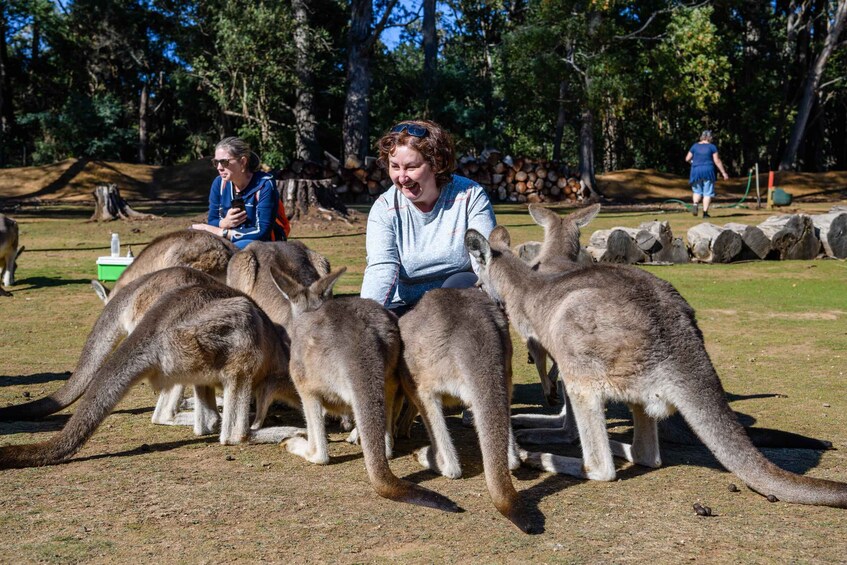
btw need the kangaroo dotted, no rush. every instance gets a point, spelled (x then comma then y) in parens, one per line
(184, 248)
(474, 367)
(559, 253)
(247, 272)
(344, 357)
(620, 333)
(9, 252)
(204, 335)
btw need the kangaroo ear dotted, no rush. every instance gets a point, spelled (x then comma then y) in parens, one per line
(582, 217)
(477, 246)
(500, 237)
(285, 284)
(542, 215)
(323, 286)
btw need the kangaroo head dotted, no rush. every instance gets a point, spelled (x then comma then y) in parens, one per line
(561, 233)
(302, 298)
(485, 251)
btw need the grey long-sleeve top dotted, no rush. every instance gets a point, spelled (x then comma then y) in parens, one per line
(410, 252)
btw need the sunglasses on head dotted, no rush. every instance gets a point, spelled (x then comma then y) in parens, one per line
(411, 129)
(221, 162)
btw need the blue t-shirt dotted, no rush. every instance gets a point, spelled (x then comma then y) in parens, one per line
(702, 163)
(260, 202)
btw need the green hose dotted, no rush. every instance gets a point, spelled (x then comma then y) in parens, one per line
(736, 205)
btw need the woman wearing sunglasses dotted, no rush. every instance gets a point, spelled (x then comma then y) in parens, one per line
(416, 230)
(243, 200)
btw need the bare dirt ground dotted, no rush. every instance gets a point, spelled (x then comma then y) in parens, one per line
(74, 180)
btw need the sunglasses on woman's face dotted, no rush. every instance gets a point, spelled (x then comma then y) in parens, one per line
(221, 162)
(411, 129)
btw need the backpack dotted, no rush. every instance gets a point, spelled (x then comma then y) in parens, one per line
(281, 227)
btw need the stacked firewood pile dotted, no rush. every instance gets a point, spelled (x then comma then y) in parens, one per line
(784, 237)
(506, 179)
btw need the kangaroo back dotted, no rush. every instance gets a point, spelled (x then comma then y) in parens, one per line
(184, 248)
(456, 343)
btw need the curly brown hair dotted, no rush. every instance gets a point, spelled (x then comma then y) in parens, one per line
(436, 147)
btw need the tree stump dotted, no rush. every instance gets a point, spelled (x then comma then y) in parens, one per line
(754, 243)
(667, 249)
(792, 236)
(831, 229)
(311, 198)
(615, 246)
(713, 244)
(110, 206)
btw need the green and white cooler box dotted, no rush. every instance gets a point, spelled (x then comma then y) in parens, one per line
(110, 268)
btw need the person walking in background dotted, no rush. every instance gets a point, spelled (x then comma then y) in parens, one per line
(703, 157)
(415, 238)
(243, 200)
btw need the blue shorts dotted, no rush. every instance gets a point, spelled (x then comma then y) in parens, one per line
(704, 187)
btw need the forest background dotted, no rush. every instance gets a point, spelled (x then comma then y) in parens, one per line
(599, 84)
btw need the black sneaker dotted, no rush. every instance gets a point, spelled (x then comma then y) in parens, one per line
(706, 214)
(695, 209)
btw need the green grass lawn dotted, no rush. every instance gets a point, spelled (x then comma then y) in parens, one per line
(776, 332)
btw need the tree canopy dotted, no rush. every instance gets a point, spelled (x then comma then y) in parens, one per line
(600, 84)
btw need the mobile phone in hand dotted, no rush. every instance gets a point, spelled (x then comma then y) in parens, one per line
(238, 203)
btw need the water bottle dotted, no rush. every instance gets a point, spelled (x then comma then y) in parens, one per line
(116, 245)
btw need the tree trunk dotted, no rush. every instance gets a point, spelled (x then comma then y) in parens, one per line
(356, 107)
(561, 118)
(792, 236)
(430, 49)
(308, 147)
(109, 206)
(754, 244)
(831, 229)
(586, 154)
(311, 198)
(810, 85)
(713, 244)
(7, 113)
(143, 124)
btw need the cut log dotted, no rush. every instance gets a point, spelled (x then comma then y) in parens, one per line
(831, 229)
(110, 206)
(792, 236)
(755, 245)
(713, 244)
(615, 246)
(668, 249)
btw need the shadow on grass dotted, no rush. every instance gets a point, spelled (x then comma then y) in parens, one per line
(34, 379)
(146, 448)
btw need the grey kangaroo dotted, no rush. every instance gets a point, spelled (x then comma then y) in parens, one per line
(205, 335)
(344, 357)
(457, 350)
(248, 273)
(620, 333)
(560, 252)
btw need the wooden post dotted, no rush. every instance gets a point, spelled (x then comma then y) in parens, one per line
(758, 192)
(770, 190)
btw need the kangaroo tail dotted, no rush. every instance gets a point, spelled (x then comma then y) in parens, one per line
(369, 411)
(709, 415)
(491, 420)
(128, 365)
(100, 343)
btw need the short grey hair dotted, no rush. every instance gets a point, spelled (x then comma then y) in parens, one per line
(239, 148)
(706, 135)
